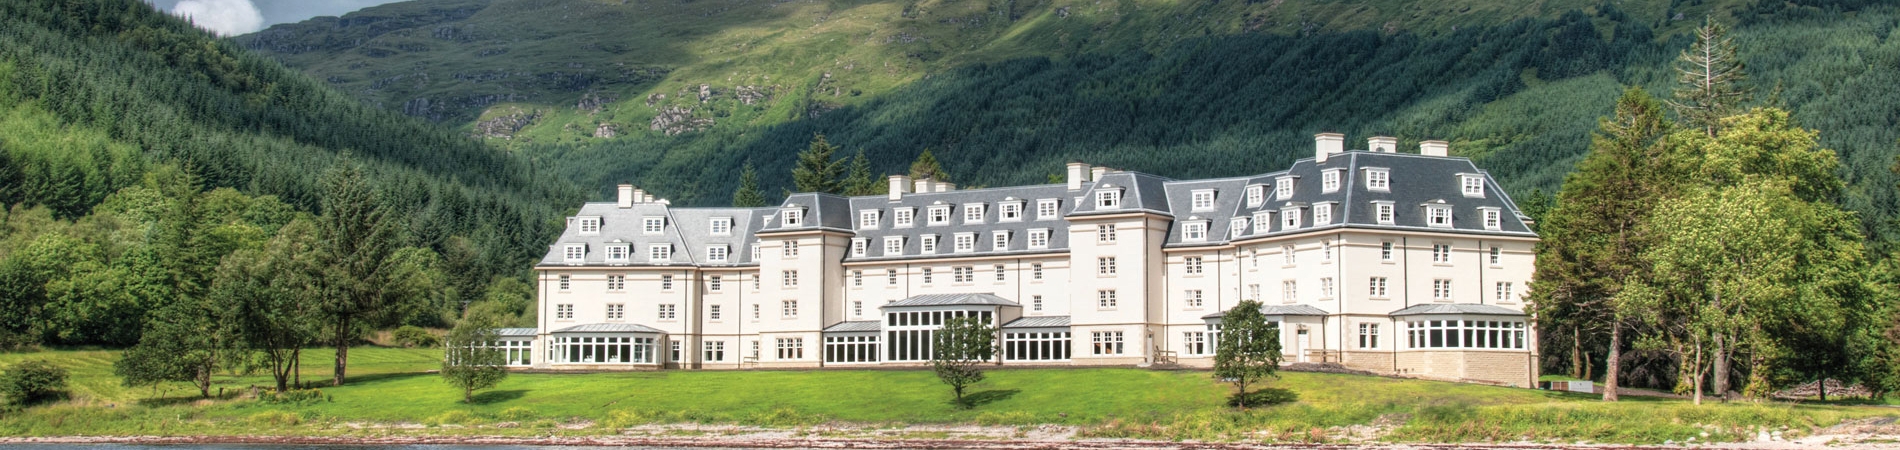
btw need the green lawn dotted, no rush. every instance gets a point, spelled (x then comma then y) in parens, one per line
(388, 387)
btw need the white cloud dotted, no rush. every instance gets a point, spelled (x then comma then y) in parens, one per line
(224, 17)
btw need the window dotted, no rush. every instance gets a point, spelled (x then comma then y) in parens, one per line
(616, 311)
(564, 311)
(857, 308)
(973, 213)
(1253, 292)
(1438, 216)
(1105, 233)
(1326, 250)
(617, 253)
(1289, 218)
(1473, 185)
(1441, 253)
(1105, 299)
(660, 253)
(963, 274)
(1326, 287)
(902, 217)
(755, 311)
(1107, 342)
(788, 309)
(791, 348)
(1493, 219)
(1046, 209)
(857, 278)
(1194, 342)
(858, 246)
(999, 241)
(1201, 200)
(928, 244)
(1039, 239)
(1283, 188)
(715, 283)
(1105, 266)
(1504, 292)
(790, 249)
(1035, 303)
(966, 242)
(1192, 297)
(1323, 213)
(718, 254)
(926, 275)
(755, 251)
(1329, 180)
(1383, 212)
(1236, 226)
(890, 277)
(1385, 251)
(574, 253)
(1262, 220)
(714, 350)
(1009, 212)
(1465, 334)
(1191, 265)
(867, 219)
(794, 218)
(1194, 232)
(668, 312)
(713, 313)
(721, 226)
(567, 281)
(1378, 180)
(1291, 257)
(1108, 199)
(1035, 271)
(1368, 335)
(1289, 291)
(590, 225)
(1441, 290)
(893, 245)
(789, 278)
(616, 282)
(652, 225)
(666, 282)
(1497, 255)
(1000, 273)
(755, 281)
(939, 215)
(1376, 288)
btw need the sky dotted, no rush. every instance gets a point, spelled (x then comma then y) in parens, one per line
(235, 17)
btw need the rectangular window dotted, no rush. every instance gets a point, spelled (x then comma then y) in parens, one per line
(893, 246)
(1493, 219)
(1107, 342)
(973, 213)
(617, 253)
(890, 277)
(1253, 292)
(721, 226)
(566, 281)
(1035, 303)
(715, 350)
(794, 218)
(1194, 232)
(857, 278)
(1000, 272)
(755, 251)
(1046, 209)
(1105, 299)
(1289, 291)
(1497, 256)
(1326, 287)
(1194, 342)
(1105, 233)
(902, 217)
(574, 253)
(1378, 180)
(1035, 271)
(718, 254)
(1504, 292)
(1383, 212)
(789, 278)
(939, 215)
(1329, 181)
(1368, 335)
(1326, 250)
(1262, 221)
(965, 242)
(1473, 185)
(1283, 189)
(1255, 195)
(1289, 218)
(713, 313)
(666, 282)
(564, 311)
(1438, 216)
(1376, 288)
(616, 311)
(791, 348)
(755, 311)
(858, 247)
(1441, 253)
(867, 219)
(668, 312)
(755, 281)
(1192, 297)
(927, 244)
(1236, 227)
(790, 249)
(1441, 290)
(1039, 239)
(926, 275)
(652, 225)
(999, 241)
(1202, 200)
(1191, 265)
(1009, 212)
(1287, 252)
(1385, 251)
(715, 283)
(963, 274)
(857, 308)
(1322, 214)
(590, 225)
(616, 282)
(1108, 199)
(660, 253)
(788, 309)
(1105, 266)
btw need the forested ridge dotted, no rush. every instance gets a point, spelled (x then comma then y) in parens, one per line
(138, 153)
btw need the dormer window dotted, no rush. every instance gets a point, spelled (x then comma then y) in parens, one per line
(1329, 180)
(893, 245)
(1202, 200)
(1493, 218)
(1378, 179)
(1289, 218)
(1046, 209)
(1283, 188)
(590, 225)
(1383, 212)
(755, 251)
(1322, 213)
(867, 219)
(718, 253)
(966, 242)
(721, 226)
(1255, 195)
(973, 213)
(659, 253)
(652, 225)
(1438, 216)
(1108, 199)
(927, 244)
(574, 253)
(999, 241)
(903, 217)
(617, 253)
(1039, 238)
(939, 215)
(793, 218)
(1009, 212)
(1262, 221)
(1237, 226)
(858, 247)
(1194, 231)
(1473, 185)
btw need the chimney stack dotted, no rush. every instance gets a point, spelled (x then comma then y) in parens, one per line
(624, 197)
(1434, 148)
(945, 186)
(1078, 174)
(900, 184)
(1326, 144)
(1383, 144)
(924, 185)
(1095, 173)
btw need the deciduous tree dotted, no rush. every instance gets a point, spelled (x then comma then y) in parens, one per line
(959, 350)
(1249, 350)
(471, 361)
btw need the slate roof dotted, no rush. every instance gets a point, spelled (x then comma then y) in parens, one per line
(1039, 322)
(688, 231)
(609, 328)
(511, 332)
(952, 300)
(1279, 310)
(857, 326)
(1457, 308)
(958, 202)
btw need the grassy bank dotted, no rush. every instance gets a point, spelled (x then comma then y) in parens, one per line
(388, 393)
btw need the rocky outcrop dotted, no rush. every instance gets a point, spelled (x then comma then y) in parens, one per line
(505, 126)
(674, 120)
(655, 98)
(705, 93)
(592, 102)
(606, 131)
(752, 94)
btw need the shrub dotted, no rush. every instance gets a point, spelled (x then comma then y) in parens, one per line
(31, 382)
(296, 397)
(276, 418)
(411, 336)
(517, 414)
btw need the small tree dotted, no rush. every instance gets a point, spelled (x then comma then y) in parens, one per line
(816, 171)
(182, 342)
(748, 195)
(960, 348)
(927, 167)
(472, 362)
(1249, 348)
(32, 382)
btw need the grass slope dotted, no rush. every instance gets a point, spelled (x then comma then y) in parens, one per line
(1104, 402)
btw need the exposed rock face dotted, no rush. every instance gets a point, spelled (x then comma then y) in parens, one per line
(655, 98)
(752, 94)
(605, 131)
(675, 120)
(705, 93)
(506, 126)
(592, 102)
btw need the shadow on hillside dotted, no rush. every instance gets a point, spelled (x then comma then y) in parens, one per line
(986, 397)
(492, 397)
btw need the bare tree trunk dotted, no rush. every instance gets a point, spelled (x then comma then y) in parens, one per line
(1612, 366)
(1696, 374)
(1720, 370)
(296, 366)
(1576, 354)
(342, 350)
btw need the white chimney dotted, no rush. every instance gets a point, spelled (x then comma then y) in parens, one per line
(624, 198)
(1078, 174)
(1325, 144)
(1095, 173)
(1434, 148)
(924, 185)
(646, 198)
(945, 186)
(1383, 144)
(899, 185)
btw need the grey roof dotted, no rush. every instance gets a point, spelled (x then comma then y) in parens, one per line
(821, 211)
(958, 202)
(1415, 180)
(688, 231)
(1039, 322)
(1457, 308)
(855, 326)
(516, 331)
(609, 328)
(1280, 310)
(1228, 196)
(1140, 193)
(952, 299)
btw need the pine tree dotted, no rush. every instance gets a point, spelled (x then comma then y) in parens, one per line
(748, 195)
(859, 181)
(926, 167)
(1710, 77)
(816, 171)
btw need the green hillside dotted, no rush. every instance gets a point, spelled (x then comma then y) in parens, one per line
(1005, 91)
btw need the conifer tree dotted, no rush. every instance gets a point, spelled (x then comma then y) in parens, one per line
(816, 171)
(926, 167)
(748, 195)
(1710, 77)
(859, 181)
